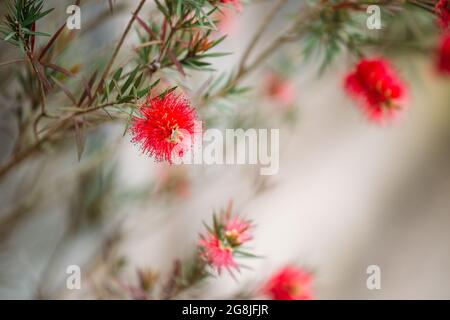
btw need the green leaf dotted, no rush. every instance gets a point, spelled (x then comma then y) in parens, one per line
(9, 36)
(117, 74)
(114, 80)
(218, 41)
(245, 254)
(154, 84)
(129, 80)
(137, 83)
(32, 19)
(146, 90)
(37, 33)
(125, 99)
(162, 9)
(166, 92)
(212, 55)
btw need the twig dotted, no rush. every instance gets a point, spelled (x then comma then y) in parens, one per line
(427, 7)
(119, 45)
(10, 62)
(262, 28)
(20, 157)
(292, 33)
(42, 86)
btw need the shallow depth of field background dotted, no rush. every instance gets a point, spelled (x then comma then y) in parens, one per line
(349, 193)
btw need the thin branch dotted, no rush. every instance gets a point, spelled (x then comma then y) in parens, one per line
(262, 28)
(427, 7)
(11, 62)
(20, 157)
(291, 34)
(119, 45)
(50, 42)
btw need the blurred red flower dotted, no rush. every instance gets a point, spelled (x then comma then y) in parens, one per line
(290, 283)
(228, 21)
(443, 12)
(443, 62)
(381, 93)
(237, 231)
(224, 240)
(165, 123)
(174, 181)
(217, 254)
(280, 89)
(236, 3)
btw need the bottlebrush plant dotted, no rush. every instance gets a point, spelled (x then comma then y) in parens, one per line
(375, 83)
(223, 241)
(54, 100)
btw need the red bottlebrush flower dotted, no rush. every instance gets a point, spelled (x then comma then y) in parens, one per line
(289, 283)
(165, 124)
(443, 12)
(237, 231)
(224, 240)
(443, 61)
(235, 3)
(217, 254)
(280, 89)
(381, 93)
